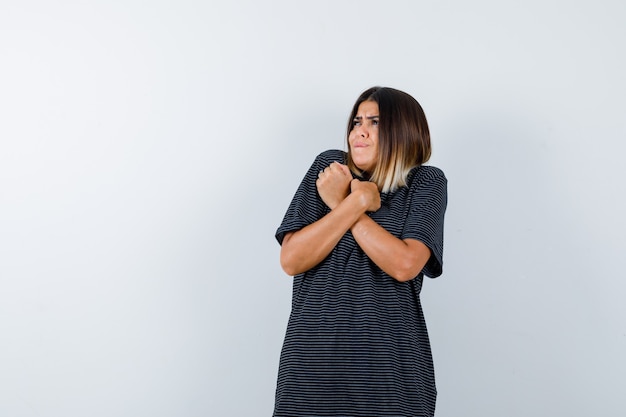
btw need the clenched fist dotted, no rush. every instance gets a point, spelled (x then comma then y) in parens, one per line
(367, 192)
(333, 184)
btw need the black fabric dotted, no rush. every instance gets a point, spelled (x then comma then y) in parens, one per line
(356, 342)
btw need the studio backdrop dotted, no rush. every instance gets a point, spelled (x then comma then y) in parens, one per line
(148, 151)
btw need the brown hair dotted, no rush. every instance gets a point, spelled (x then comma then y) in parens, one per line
(403, 137)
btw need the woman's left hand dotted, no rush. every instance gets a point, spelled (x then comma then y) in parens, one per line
(333, 184)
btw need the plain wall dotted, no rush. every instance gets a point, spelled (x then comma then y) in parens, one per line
(149, 150)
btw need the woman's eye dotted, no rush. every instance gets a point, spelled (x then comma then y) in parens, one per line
(375, 122)
(356, 123)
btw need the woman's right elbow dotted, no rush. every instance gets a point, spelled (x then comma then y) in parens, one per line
(290, 272)
(292, 259)
(288, 265)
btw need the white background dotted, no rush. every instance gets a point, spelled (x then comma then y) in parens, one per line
(149, 150)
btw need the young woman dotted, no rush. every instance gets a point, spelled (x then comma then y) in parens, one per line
(362, 230)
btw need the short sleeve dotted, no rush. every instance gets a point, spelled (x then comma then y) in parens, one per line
(428, 201)
(306, 206)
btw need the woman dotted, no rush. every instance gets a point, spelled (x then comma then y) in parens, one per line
(363, 229)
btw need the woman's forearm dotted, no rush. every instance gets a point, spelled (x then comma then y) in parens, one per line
(303, 249)
(401, 259)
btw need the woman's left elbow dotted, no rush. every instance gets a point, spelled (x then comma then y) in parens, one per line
(408, 270)
(403, 277)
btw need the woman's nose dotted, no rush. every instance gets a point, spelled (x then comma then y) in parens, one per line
(363, 131)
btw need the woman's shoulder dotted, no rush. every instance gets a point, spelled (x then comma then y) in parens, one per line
(332, 155)
(425, 173)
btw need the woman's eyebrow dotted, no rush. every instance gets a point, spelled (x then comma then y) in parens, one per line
(368, 117)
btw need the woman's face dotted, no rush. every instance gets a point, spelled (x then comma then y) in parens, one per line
(363, 137)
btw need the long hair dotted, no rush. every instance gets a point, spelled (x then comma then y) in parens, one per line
(403, 137)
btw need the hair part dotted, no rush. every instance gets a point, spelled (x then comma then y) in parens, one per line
(403, 137)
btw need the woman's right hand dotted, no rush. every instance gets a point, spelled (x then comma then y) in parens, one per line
(368, 193)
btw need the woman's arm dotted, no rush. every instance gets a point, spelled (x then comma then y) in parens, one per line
(303, 249)
(401, 259)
